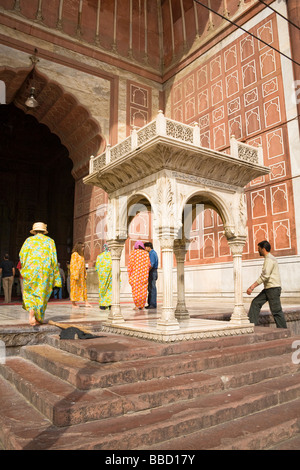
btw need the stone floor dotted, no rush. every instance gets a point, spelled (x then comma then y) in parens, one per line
(62, 310)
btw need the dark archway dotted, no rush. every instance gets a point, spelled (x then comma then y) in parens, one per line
(36, 183)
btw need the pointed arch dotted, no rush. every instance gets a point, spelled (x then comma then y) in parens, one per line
(61, 112)
(208, 199)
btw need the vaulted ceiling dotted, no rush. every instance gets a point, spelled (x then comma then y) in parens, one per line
(154, 34)
(154, 37)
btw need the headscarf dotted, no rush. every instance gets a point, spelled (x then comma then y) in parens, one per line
(139, 244)
(105, 247)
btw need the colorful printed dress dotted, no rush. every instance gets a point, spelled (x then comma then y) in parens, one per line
(77, 278)
(103, 267)
(40, 273)
(138, 272)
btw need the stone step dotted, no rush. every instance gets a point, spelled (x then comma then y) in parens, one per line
(23, 427)
(118, 348)
(250, 373)
(19, 421)
(86, 374)
(277, 428)
(64, 405)
(292, 443)
(183, 418)
(78, 396)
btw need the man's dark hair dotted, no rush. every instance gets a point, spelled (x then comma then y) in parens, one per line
(148, 244)
(265, 244)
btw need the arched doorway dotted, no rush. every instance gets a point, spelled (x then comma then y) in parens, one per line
(203, 226)
(36, 183)
(200, 242)
(47, 164)
(139, 223)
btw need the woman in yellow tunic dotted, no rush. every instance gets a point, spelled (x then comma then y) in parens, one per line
(78, 276)
(39, 271)
(138, 273)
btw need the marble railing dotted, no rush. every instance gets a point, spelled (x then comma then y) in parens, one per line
(246, 152)
(178, 131)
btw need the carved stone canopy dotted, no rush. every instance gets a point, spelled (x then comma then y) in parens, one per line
(164, 165)
(164, 144)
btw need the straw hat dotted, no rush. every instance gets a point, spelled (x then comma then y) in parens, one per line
(39, 226)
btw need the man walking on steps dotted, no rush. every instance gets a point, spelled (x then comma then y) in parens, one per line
(272, 288)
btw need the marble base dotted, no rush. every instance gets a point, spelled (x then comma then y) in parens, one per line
(188, 329)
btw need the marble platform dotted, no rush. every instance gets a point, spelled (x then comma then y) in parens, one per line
(194, 328)
(208, 318)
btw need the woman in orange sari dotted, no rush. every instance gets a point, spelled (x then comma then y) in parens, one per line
(78, 276)
(138, 273)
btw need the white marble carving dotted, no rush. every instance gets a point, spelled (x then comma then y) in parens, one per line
(170, 174)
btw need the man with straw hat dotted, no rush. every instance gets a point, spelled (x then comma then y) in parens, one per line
(39, 271)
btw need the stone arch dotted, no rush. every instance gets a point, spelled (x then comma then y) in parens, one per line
(60, 111)
(67, 121)
(209, 199)
(129, 206)
(139, 200)
(36, 182)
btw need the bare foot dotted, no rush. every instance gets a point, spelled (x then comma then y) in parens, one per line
(32, 319)
(74, 304)
(88, 305)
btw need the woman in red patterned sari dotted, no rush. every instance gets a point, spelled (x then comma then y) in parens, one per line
(138, 273)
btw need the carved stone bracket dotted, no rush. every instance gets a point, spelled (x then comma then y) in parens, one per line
(116, 248)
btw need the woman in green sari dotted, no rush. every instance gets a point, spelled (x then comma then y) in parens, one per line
(103, 267)
(39, 271)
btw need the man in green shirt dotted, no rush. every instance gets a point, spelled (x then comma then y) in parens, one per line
(272, 288)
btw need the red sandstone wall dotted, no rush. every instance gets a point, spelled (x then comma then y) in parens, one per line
(90, 208)
(138, 105)
(240, 91)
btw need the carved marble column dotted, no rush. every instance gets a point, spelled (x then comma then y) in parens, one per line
(167, 321)
(180, 249)
(115, 315)
(239, 313)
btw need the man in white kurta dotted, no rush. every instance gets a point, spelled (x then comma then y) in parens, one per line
(270, 277)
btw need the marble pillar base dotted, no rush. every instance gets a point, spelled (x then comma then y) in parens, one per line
(182, 314)
(187, 329)
(239, 315)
